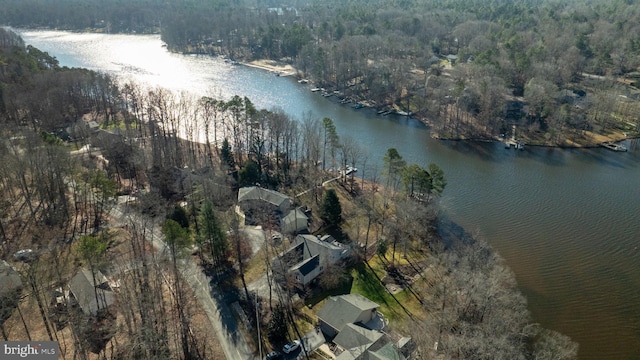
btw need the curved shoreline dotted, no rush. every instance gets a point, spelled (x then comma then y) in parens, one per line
(274, 66)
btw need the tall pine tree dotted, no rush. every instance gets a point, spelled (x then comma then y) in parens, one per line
(331, 210)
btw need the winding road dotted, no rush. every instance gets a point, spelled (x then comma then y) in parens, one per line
(213, 302)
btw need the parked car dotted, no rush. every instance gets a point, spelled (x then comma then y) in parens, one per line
(292, 346)
(24, 255)
(274, 355)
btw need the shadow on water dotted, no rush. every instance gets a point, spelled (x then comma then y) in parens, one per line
(496, 152)
(493, 151)
(452, 234)
(406, 121)
(609, 158)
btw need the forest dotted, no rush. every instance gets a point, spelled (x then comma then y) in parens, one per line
(564, 73)
(141, 184)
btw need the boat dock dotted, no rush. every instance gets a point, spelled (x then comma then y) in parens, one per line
(614, 147)
(516, 144)
(512, 142)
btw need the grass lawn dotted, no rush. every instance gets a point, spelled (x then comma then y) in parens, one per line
(255, 267)
(398, 308)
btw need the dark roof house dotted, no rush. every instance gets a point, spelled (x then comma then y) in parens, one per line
(92, 296)
(310, 254)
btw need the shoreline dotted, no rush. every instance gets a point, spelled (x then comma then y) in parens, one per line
(277, 67)
(283, 69)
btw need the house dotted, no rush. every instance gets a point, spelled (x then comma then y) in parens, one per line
(309, 255)
(514, 109)
(295, 222)
(254, 200)
(10, 286)
(355, 341)
(354, 324)
(92, 296)
(10, 281)
(346, 309)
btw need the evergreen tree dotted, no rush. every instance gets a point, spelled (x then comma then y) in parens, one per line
(393, 165)
(211, 233)
(438, 182)
(277, 327)
(180, 216)
(227, 154)
(331, 210)
(249, 174)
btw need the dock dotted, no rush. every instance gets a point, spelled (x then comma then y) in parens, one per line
(512, 141)
(614, 147)
(516, 144)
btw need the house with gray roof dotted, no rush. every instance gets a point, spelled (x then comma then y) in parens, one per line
(309, 255)
(10, 286)
(341, 310)
(355, 326)
(10, 281)
(255, 202)
(92, 292)
(355, 340)
(295, 222)
(252, 196)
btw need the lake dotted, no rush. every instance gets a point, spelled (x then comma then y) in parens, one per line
(566, 221)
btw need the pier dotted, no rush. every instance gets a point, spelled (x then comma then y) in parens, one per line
(614, 147)
(512, 141)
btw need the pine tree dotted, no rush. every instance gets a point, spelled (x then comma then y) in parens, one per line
(331, 210)
(211, 234)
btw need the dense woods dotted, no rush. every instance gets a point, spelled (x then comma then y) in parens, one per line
(75, 142)
(560, 71)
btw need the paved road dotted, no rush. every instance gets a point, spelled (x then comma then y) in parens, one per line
(213, 302)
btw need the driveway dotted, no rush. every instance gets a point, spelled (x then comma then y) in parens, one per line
(256, 237)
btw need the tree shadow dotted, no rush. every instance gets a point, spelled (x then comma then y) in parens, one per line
(318, 294)
(493, 151)
(451, 233)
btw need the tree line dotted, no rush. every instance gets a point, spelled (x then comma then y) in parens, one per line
(555, 69)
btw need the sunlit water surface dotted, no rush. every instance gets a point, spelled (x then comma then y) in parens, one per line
(566, 221)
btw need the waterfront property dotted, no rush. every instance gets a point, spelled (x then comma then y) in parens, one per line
(309, 256)
(354, 325)
(277, 207)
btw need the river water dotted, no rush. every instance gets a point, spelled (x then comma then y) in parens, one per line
(566, 221)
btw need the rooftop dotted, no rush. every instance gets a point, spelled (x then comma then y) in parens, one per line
(270, 196)
(9, 279)
(91, 295)
(341, 310)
